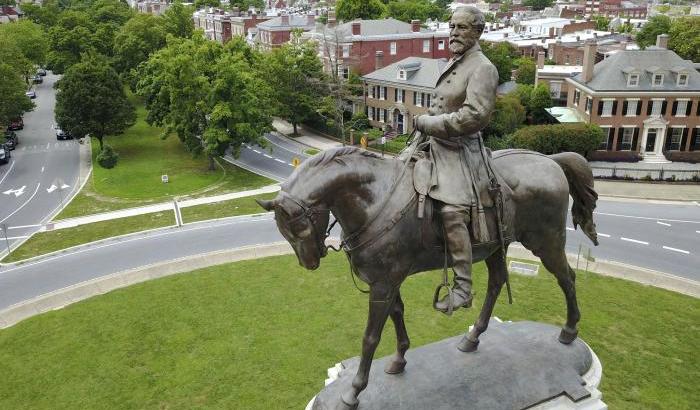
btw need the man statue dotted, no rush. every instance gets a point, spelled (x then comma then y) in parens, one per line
(461, 107)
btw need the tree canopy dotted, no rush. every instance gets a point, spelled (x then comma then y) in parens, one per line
(538, 4)
(508, 116)
(656, 25)
(407, 10)
(135, 41)
(178, 20)
(527, 70)
(91, 100)
(13, 102)
(501, 55)
(347, 10)
(555, 138)
(684, 38)
(539, 100)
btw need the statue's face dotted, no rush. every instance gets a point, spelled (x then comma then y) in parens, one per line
(463, 35)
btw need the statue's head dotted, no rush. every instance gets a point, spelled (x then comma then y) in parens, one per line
(302, 226)
(466, 25)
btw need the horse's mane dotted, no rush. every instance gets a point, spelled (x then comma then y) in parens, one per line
(324, 158)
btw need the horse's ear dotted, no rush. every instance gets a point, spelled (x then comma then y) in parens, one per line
(267, 205)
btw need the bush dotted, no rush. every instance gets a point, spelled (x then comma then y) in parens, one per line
(359, 121)
(107, 158)
(551, 139)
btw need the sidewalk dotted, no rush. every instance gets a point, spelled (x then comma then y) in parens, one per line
(306, 136)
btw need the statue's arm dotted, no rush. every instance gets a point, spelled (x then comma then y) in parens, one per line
(475, 112)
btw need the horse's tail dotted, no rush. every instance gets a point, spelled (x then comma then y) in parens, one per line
(580, 178)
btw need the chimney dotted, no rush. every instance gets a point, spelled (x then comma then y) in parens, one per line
(578, 38)
(356, 28)
(378, 60)
(285, 20)
(415, 26)
(589, 52)
(540, 59)
(662, 41)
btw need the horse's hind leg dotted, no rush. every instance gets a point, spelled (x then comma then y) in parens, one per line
(555, 261)
(398, 362)
(497, 277)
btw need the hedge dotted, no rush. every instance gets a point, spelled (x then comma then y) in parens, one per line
(551, 139)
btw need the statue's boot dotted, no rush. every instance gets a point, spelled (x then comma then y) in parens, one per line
(456, 221)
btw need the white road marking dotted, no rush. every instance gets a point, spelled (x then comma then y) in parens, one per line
(604, 235)
(42, 170)
(634, 240)
(569, 229)
(48, 145)
(696, 203)
(22, 206)
(23, 226)
(16, 192)
(267, 156)
(697, 231)
(12, 165)
(279, 160)
(51, 188)
(668, 248)
(648, 218)
(257, 152)
(663, 223)
(64, 186)
(9, 238)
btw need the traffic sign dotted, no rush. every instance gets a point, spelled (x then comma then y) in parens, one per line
(363, 142)
(295, 162)
(383, 140)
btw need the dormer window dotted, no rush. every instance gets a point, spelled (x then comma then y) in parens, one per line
(682, 80)
(658, 80)
(633, 80)
(402, 74)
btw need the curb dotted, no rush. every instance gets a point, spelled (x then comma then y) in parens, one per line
(98, 286)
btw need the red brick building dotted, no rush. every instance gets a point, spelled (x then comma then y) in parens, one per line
(355, 45)
(277, 31)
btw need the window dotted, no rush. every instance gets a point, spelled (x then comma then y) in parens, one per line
(555, 89)
(681, 107)
(577, 96)
(607, 108)
(578, 60)
(370, 92)
(426, 46)
(631, 108)
(633, 80)
(392, 48)
(381, 115)
(419, 99)
(676, 136)
(382, 93)
(682, 80)
(346, 73)
(627, 135)
(658, 80)
(589, 104)
(656, 107)
(372, 114)
(441, 44)
(401, 96)
(346, 50)
(608, 135)
(427, 100)
(402, 74)
(566, 59)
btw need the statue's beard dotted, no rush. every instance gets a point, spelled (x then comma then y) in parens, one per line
(460, 46)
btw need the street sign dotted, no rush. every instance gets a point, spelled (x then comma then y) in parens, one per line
(164, 178)
(383, 140)
(295, 162)
(363, 142)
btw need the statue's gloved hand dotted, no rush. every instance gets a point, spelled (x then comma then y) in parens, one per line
(420, 122)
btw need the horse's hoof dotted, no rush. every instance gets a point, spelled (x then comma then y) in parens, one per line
(567, 336)
(395, 366)
(347, 403)
(468, 346)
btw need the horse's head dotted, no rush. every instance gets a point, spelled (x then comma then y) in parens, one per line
(303, 226)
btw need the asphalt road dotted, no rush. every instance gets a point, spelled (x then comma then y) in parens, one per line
(274, 160)
(43, 171)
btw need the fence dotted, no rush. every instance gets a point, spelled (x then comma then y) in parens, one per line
(646, 174)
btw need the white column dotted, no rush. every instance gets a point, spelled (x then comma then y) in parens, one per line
(660, 138)
(643, 145)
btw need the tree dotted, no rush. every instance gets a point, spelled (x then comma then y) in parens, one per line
(501, 55)
(656, 25)
(407, 10)
(524, 93)
(91, 100)
(601, 23)
(555, 138)
(134, 43)
(684, 38)
(178, 20)
(72, 35)
(198, 4)
(28, 37)
(347, 10)
(538, 4)
(508, 116)
(295, 74)
(527, 70)
(13, 102)
(539, 100)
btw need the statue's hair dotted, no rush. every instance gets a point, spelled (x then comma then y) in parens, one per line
(326, 157)
(477, 20)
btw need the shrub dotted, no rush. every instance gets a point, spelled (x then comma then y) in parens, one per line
(551, 139)
(107, 158)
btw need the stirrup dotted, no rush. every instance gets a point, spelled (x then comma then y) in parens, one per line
(436, 298)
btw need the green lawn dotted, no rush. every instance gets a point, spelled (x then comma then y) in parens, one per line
(143, 157)
(46, 242)
(233, 207)
(260, 335)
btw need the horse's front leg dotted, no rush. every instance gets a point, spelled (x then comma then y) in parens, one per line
(381, 300)
(398, 362)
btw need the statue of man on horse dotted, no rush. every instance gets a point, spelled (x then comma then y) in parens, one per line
(461, 107)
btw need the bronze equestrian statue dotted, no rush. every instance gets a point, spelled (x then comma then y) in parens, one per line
(393, 226)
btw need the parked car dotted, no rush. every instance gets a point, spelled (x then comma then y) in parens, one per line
(31, 93)
(62, 134)
(16, 124)
(10, 140)
(5, 154)
(37, 79)
(41, 72)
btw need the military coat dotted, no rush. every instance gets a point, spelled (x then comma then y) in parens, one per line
(461, 106)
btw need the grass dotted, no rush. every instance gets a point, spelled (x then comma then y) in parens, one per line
(143, 157)
(233, 207)
(260, 335)
(50, 241)
(311, 151)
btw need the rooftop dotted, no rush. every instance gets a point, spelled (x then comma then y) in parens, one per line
(560, 69)
(565, 114)
(420, 72)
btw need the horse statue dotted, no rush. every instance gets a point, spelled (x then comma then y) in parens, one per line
(386, 241)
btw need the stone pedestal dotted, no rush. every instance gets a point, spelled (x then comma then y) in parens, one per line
(518, 365)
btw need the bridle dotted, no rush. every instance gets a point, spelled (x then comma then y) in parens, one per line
(309, 213)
